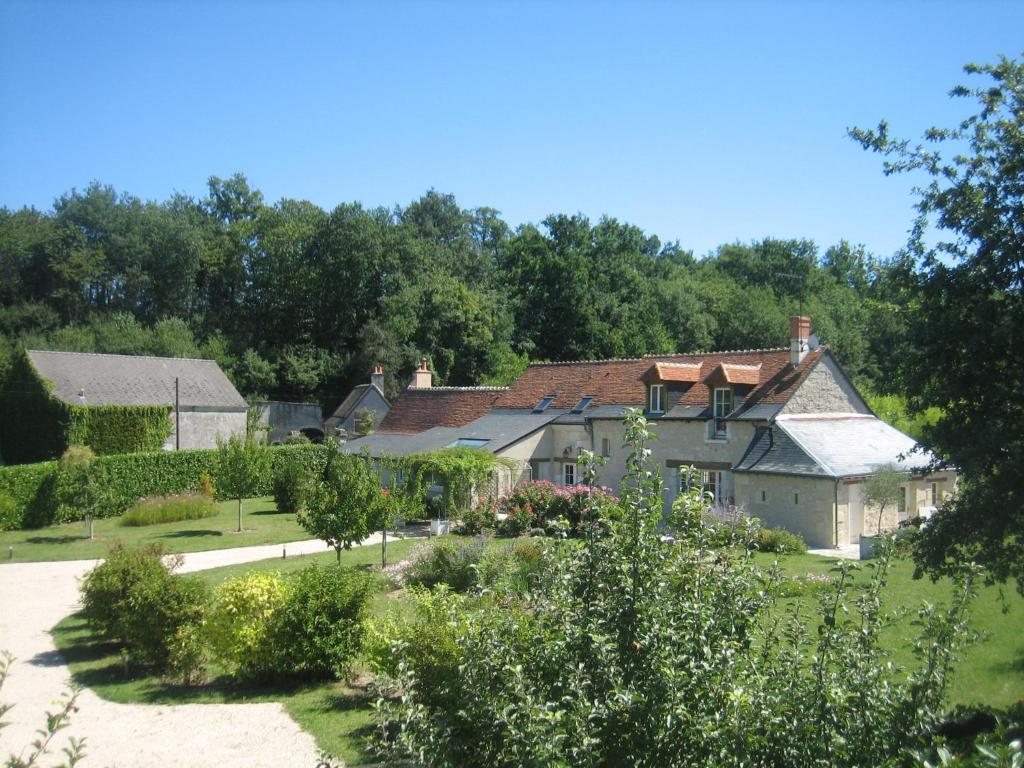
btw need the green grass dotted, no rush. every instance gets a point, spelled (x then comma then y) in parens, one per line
(990, 671)
(70, 541)
(340, 717)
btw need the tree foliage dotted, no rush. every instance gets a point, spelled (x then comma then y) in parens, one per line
(242, 463)
(964, 339)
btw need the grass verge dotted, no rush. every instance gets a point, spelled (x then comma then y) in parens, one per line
(70, 541)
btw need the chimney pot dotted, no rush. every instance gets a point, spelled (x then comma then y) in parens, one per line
(799, 336)
(423, 378)
(377, 377)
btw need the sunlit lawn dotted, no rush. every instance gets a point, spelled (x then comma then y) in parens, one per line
(70, 541)
(340, 716)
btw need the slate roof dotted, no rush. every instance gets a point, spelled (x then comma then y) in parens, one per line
(351, 402)
(135, 379)
(501, 428)
(622, 382)
(830, 446)
(418, 409)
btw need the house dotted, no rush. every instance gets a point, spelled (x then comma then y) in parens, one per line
(781, 434)
(208, 405)
(365, 404)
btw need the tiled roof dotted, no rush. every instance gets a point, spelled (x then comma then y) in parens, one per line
(621, 382)
(135, 379)
(419, 409)
(741, 374)
(684, 372)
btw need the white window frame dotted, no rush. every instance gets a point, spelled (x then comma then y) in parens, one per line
(568, 474)
(660, 390)
(720, 408)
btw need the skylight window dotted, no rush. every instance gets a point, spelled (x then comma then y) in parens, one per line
(469, 442)
(544, 403)
(582, 405)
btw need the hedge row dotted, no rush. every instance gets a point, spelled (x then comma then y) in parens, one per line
(35, 425)
(39, 498)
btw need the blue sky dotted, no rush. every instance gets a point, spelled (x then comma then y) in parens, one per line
(703, 123)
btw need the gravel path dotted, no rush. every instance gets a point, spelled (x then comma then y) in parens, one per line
(36, 596)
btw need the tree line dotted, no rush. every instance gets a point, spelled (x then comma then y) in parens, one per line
(296, 302)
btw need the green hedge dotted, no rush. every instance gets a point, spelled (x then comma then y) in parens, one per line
(35, 425)
(39, 498)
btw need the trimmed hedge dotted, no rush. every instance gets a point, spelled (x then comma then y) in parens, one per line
(36, 489)
(35, 425)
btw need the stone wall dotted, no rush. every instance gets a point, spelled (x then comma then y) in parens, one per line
(803, 505)
(825, 390)
(200, 427)
(284, 418)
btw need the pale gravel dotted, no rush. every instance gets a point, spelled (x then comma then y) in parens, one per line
(36, 596)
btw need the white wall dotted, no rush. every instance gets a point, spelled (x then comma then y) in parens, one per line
(200, 428)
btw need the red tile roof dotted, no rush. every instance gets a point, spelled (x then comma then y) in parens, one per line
(684, 372)
(621, 382)
(417, 410)
(741, 374)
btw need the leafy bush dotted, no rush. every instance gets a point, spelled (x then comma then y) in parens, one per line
(481, 517)
(513, 568)
(780, 540)
(134, 599)
(206, 487)
(291, 485)
(299, 439)
(240, 623)
(451, 562)
(533, 505)
(425, 644)
(8, 512)
(169, 509)
(636, 651)
(319, 629)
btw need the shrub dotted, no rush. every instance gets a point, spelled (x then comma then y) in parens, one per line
(451, 562)
(134, 599)
(533, 505)
(512, 569)
(8, 512)
(780, 540)
(482, 516)
(206, 487)
(169, 509)
(240, 621)
(518, 520)
(299, 439)
(291, 485)
(319, 628)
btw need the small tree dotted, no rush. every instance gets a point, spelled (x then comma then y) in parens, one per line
(392, 502)
(364, 421)
(81, 487)
(883, 488)
(241, 464)
(344, 506)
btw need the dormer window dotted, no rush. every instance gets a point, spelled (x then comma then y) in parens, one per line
(722, 407)
(656, 399)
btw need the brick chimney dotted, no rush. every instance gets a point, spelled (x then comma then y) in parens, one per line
(799, 335)
(377, 377)
(422, 378)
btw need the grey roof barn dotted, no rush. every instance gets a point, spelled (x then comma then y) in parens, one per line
(94, 379)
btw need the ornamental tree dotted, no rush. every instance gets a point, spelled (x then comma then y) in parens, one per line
(964, 340)
(241, 464)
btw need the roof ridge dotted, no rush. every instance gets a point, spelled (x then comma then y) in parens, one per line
(654, 356)
(456, 389)
(114, 354)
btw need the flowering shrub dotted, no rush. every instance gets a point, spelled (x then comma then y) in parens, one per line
(532, 505)
(482, 516)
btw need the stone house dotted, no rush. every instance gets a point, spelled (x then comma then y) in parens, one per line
(781, 434)
(366, 403)
(209, 406)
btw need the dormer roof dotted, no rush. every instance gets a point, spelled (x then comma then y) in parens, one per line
(679, 372)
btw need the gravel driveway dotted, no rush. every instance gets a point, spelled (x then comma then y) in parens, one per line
(36, 596)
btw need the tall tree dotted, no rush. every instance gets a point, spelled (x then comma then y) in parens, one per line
(966, 338)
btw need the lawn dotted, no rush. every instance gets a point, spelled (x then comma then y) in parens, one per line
(70, 541)
(340, 716)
